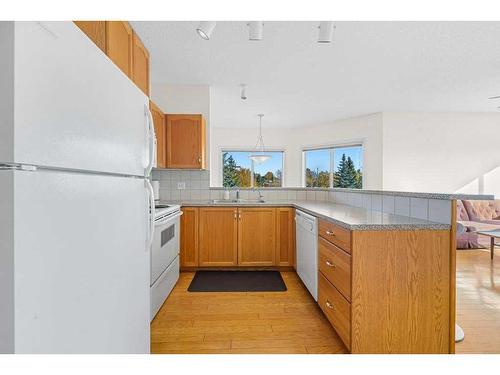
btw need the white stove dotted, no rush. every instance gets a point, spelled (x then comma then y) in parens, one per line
(161, 210)
(164, 254)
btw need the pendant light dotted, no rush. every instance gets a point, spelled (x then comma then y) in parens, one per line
(260, 156)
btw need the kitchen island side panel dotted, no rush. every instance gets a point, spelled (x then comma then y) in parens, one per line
(401, 291)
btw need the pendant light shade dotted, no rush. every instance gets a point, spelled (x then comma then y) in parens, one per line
(260, 155)
(205, 29)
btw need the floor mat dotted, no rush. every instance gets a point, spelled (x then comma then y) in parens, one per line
(237, 281)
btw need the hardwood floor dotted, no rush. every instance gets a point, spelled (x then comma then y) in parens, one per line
(255, 322)
(478, 301)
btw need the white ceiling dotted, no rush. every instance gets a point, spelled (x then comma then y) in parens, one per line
(370, 67)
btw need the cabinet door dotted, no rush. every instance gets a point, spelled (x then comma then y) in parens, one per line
(185, 141)
(189, 237)
(96, 31)
(285, 234)
(140, 65)
(159, 123)
(257, 236)
(119, 45)
(218, 236)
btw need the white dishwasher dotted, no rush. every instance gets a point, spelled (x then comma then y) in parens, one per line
(307, 250)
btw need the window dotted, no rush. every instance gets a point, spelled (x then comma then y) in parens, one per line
(238, 170)
(334, 167)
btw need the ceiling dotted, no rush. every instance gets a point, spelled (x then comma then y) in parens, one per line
(295, 81)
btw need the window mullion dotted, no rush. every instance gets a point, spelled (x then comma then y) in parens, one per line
(332, 166)
(252, 174)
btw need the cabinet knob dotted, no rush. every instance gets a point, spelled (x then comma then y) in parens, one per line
(329, 305)
(330, 233)
(330, 264)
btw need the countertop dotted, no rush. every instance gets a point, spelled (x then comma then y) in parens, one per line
(353, 218)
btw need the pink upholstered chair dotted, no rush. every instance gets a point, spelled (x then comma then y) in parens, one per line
(475, 216)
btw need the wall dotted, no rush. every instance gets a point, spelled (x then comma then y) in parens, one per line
(184, 99)
(366, 129)
(441, 152)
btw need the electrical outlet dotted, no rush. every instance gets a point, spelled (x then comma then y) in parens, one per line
(181, 185)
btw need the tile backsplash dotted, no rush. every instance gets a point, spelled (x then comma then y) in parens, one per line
(189, 185)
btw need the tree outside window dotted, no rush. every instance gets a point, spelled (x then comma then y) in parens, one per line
(238, 170)
(334, 167)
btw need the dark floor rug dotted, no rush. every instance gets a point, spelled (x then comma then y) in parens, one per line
(237, 281)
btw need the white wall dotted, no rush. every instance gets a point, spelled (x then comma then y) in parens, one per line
(365, 129)
(184, 99)
(441, 152)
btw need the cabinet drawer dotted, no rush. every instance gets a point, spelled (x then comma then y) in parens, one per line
(336, 308)
(335, 265)
(335, 234)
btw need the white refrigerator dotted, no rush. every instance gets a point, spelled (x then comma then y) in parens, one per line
(76, 147)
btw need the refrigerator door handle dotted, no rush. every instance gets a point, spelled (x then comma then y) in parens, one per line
(151, 213)
(151, 141)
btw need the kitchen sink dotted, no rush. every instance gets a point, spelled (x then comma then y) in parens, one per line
(235, 201)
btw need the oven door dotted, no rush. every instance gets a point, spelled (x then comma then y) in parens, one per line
(165, 244)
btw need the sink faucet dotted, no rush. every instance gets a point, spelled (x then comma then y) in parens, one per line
(261, 196)
(237, 194)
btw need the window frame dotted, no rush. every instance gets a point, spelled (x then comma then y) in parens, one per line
(331, 148)
(222, 150)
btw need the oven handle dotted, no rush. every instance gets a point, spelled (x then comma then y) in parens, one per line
(168, 218)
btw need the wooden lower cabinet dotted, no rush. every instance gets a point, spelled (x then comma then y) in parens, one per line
(189, 237)
(391, 294)
(285, 236)
(256, 236)
(336, 308)
(218, 236)
(237, 236)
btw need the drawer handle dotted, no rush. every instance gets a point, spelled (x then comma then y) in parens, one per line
(330, 233)
(330, 264)
(329, 305)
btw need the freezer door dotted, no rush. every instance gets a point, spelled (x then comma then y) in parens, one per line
(74, 109)
(81, 263)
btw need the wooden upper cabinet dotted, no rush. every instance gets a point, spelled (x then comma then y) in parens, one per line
(96, 31)
(119, 38)
(185, 141)
(140, 65)
(189, 237)
(257, 236)
(218, 236)
(285, 236)
(160, 130)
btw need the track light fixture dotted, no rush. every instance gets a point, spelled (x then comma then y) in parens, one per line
(326, 30)
(255, 30)
(205, 29)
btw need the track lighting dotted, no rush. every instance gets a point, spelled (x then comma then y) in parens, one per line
(243, 91)
(255, 30)
(205, 29)
(326, 30)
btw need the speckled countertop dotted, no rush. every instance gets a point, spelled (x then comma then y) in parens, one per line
(353, 218)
